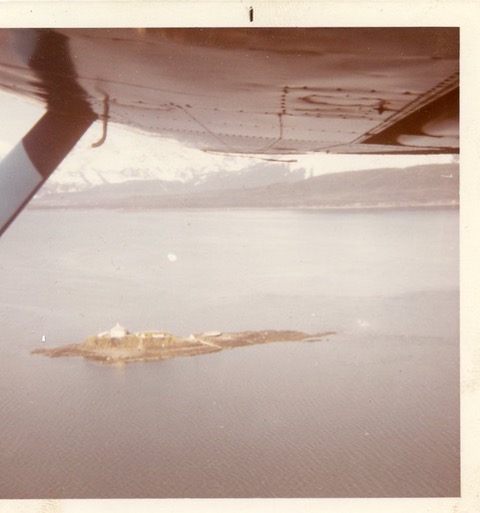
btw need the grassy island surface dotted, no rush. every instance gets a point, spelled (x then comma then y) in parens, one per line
(148, 346)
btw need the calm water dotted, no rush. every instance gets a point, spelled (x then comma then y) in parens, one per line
(372, 411)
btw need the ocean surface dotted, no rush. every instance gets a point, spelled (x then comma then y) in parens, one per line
(372, 411)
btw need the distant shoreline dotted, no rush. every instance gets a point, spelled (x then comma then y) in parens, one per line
(329, 208)
(421, 187)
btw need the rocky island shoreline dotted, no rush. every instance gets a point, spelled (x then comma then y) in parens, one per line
(119, 346)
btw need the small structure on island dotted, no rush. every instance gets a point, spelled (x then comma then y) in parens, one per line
(118, 331)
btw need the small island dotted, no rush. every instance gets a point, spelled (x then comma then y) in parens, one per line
(119, 346)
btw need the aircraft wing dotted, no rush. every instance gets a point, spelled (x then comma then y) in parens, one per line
(246, 90)
(268, 91)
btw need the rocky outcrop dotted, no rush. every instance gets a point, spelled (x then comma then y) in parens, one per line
(156, 345)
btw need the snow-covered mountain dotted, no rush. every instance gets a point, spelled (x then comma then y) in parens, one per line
(433, 185)
(128, 156)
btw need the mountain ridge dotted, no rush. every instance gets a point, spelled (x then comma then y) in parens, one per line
(435, 184)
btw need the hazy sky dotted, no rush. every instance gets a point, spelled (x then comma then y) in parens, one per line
(19, 115)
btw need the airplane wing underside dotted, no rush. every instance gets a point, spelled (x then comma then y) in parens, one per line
(252, 91)
(259, 91)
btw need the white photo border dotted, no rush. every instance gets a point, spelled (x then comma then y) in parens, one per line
(326, 13)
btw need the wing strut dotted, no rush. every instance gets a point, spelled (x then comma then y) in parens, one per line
(68, 116)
